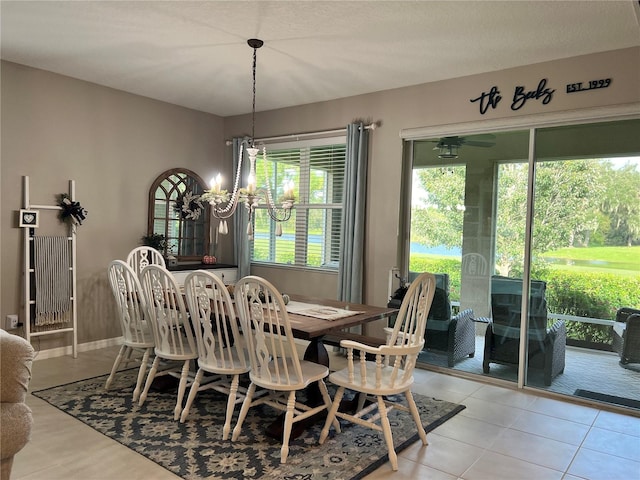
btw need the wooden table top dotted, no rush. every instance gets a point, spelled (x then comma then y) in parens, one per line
(306, 327)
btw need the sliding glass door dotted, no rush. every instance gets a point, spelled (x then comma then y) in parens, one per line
(586, 247)
(535, 237)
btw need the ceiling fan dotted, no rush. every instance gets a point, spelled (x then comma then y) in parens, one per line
(448, 146)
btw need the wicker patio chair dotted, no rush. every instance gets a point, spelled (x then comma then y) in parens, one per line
(626, 335)
(454, 336)
(546, 346)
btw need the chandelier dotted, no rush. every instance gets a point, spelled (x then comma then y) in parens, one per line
(223, 204)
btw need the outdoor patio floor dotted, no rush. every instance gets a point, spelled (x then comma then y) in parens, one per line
(585, 369)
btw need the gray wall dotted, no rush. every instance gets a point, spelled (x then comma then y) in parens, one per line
(114, 144)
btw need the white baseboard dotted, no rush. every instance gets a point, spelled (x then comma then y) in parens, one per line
(82, 347)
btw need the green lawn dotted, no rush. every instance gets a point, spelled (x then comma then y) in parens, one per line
(623, 261)
(630, 255)
(616, 260)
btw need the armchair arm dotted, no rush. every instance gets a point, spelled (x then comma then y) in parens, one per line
(463, 320)
(558, 332)
(461, 337)
(16, 427)
(385, 350)
(16, 358)
(557, 336)
(350, 344)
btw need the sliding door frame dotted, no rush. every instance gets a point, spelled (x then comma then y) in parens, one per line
(532, 123)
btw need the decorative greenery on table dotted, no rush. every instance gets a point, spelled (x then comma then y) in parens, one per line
(155, 240)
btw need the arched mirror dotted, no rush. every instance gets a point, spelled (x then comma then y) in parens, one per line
(176, 212)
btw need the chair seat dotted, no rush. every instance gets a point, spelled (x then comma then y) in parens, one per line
(146, 333)
(341, 378)
(228, 363)
(311, 372)
(150, 344)
(189, 354)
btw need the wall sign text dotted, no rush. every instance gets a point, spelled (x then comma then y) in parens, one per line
(542, 93)
(590, 85)
(520, 97)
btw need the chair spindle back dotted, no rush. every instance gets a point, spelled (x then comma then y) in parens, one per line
(272, 350)
(214, 322)
(167, 312)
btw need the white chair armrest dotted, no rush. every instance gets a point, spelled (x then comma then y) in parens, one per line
(360, 346)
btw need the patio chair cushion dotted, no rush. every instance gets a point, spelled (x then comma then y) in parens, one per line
(440, 313)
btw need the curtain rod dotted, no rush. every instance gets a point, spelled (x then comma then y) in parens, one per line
(298, 136)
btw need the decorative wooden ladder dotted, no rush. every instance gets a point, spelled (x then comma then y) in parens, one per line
(29, 272)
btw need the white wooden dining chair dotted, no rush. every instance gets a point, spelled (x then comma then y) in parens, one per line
(175, 347)
(220, 345)
(140, 257)
(136, 331)
(392, 371)
(275, 365)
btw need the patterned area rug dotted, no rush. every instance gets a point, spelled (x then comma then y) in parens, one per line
(195, 449)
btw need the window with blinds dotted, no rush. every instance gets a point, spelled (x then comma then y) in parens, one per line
(311, 238)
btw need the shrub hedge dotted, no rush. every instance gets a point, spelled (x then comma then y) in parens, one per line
(595, 295)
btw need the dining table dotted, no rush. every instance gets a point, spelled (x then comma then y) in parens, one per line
(313, 318)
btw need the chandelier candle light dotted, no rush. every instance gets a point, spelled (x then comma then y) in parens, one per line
(224, 204)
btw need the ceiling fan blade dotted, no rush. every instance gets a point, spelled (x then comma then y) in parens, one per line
(483, 136)
(474, 143)
(480, 140)
(454, 140)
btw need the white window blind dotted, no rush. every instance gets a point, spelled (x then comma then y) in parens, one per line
(311, 238)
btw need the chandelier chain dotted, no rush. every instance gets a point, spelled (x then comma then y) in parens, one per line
(253, 105)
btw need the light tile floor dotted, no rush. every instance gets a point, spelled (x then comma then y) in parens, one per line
(502, 434)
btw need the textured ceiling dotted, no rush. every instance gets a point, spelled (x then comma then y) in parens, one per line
(195, 53)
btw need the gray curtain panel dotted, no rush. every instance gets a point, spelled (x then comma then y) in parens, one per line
(242, 259)
(350, 273)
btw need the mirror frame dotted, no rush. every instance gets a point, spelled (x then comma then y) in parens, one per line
(188, 174)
